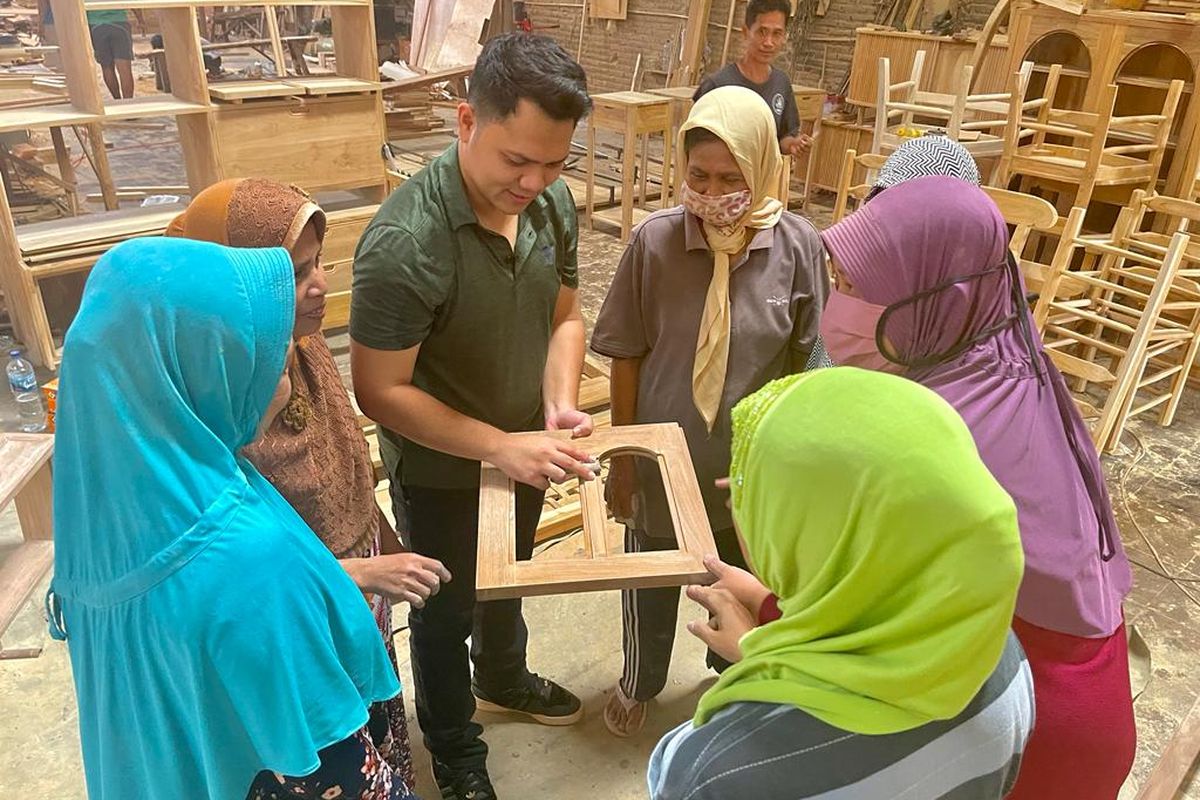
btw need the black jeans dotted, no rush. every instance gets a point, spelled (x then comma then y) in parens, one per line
(444, 524)
(649, 617)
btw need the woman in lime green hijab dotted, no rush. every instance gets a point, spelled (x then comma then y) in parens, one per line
(862, 504)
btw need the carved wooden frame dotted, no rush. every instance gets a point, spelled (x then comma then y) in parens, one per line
(499, 576)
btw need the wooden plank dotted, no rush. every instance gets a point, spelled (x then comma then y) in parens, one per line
(354, 42)
(272, 22)
(78, 62)
(695, 36)
(19, 575)
(427, 80)
(185, 60)
(237, 91)
(332, 142)
(320, 85)
(151, 105)
(461, 44)
(23, 455)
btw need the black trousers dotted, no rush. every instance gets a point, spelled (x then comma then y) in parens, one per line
(444, 524)
(649, 617)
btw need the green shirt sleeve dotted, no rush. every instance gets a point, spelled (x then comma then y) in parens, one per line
(397, 289)
(564, 210)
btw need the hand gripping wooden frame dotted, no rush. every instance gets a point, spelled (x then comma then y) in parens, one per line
(499, 576)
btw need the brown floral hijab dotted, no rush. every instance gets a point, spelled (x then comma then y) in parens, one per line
(314, 453)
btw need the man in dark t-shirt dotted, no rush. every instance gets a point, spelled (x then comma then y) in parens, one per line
(765, 32)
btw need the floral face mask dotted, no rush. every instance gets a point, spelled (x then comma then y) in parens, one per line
(722, 211)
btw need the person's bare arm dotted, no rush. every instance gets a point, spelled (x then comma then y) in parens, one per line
(385, 393)
(564, 362)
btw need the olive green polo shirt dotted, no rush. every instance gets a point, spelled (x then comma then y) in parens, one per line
(426, 273)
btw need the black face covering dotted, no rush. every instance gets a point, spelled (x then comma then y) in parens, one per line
(1018, 315)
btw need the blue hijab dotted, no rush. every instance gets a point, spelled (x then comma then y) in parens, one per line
(211, 634)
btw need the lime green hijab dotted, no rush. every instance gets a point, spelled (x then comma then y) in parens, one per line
(895, 555)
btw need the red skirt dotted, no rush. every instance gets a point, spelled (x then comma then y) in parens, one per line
(1084, 736)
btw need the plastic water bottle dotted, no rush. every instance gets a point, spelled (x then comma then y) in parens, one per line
(23, 382)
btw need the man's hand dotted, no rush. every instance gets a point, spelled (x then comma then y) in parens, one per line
(744, 587)
(570, 419)
(796, 145)
(401, 577)
(539, 460)
(729, 621)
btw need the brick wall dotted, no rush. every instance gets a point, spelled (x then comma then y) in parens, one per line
(610, 48)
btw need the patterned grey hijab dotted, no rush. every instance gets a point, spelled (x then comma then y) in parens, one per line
(931, 154)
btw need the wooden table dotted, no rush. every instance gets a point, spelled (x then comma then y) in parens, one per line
(635, 115)
(681, 106)
(26, 482)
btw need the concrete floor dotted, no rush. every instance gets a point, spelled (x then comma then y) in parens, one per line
(576, 640)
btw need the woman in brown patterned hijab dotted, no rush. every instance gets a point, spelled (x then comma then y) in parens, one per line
(314, 453)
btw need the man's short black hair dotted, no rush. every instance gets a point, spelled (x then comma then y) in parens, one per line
(756, 8)
(524, 65)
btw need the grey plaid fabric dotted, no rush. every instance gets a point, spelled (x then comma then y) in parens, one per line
(931, 154)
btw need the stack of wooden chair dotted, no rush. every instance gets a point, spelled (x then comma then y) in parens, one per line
(1120, 314)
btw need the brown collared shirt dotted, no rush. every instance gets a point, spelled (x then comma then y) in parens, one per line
(777, 289)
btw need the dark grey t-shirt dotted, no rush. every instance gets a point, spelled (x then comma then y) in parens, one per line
(776, 292)
(777, 92)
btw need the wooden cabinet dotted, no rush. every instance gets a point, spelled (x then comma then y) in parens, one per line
(318, 144)
(945, 57)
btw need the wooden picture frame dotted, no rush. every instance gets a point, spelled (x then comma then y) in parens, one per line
(499, 576)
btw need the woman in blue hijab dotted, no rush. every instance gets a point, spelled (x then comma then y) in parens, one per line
(216, 644)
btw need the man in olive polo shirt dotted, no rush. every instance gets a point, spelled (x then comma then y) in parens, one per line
(466, 328)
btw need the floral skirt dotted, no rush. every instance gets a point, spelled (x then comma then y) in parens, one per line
(352, 769)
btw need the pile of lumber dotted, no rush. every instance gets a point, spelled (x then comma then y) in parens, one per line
(84, 239)
(409, 103)
(410, 115)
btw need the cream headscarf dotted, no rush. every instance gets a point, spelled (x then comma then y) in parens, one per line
(742, 120)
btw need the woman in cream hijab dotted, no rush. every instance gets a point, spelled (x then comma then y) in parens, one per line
(711, 301)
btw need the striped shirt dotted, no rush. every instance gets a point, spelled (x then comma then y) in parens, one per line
(766, 751)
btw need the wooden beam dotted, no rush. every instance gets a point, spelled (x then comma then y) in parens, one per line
(694, 36)
(1176, 761)
(272, 23)
(728, 32)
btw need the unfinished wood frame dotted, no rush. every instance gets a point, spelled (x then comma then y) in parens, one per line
(26, 482)
(500, 576)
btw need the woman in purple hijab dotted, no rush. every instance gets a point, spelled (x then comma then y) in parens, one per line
(929, 289)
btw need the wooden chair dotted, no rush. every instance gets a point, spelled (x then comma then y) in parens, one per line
(1023, 212)
(1087, 162)
(852, 161)
(978, 122)
(1110, 335)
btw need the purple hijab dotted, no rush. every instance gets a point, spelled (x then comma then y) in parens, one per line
(935, 251)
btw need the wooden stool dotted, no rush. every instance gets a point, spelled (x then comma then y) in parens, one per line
(635, 115)
(26, 481)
